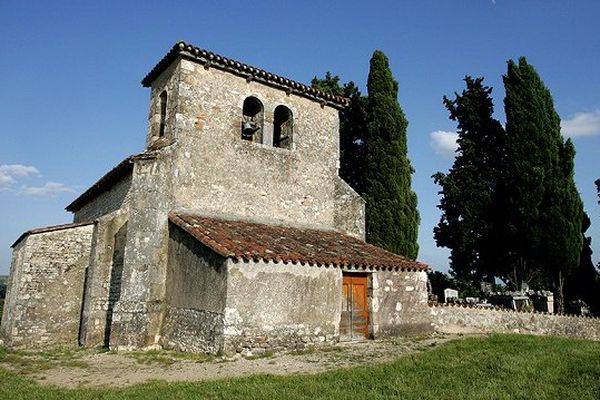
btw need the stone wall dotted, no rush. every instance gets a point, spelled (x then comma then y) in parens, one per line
(43, 303)
(281, 306)
(103, 278)
(349, 214)
(399, 303)
(139, 312)
(216, 171)
(195, 296)
(114, 198)
(468, 320)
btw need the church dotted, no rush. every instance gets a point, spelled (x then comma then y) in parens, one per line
(231, 232)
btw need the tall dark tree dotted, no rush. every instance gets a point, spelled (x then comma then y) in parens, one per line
(352, 128)
(470, 214)
(329, 84)
(391, 212)
(584, 282)
(543, 209)
(562, 217)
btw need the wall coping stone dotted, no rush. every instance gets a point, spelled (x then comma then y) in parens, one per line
(52, 229)
(507, 310)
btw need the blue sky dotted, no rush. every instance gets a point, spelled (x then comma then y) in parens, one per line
(71, 105)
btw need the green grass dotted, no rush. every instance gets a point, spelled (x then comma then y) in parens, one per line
(497, 367)
(25, 362)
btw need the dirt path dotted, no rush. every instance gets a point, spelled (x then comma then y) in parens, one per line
(108, 369)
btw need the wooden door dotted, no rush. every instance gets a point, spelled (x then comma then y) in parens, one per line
(354, 324)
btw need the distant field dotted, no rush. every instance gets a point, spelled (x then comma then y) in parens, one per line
(3, 278)
(496, 367)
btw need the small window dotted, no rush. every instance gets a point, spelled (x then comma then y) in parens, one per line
(252, 120)
(163, 114)
(283, 125)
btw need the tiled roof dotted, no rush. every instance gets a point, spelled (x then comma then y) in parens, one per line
(51, 229)
(253, 241)
(119, 171)
(210, 59)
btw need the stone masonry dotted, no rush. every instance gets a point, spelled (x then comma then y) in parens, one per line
(44, 298)
(130, 273)
(455, 319)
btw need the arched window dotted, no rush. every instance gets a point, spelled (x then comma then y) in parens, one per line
(163, 114)
(252, 120)
(283, 127)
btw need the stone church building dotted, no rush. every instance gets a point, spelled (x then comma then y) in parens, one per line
(231, 231)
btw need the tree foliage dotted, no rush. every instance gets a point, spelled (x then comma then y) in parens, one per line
(352, 127)
(469, 204)
(328, 84)
(510, 207)
(543, 209)
(391, 213)
(440, 281)
(584, 282)
(374, 159)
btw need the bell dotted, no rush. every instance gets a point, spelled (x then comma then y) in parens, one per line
(248, 128)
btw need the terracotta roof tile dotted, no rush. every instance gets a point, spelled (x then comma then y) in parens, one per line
(253, 241)
(210, 59)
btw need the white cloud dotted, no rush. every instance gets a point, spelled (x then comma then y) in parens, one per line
(8, 173)
(49, 189)
(582, 124)
(22, 171)
(444, 143)
(6, 181)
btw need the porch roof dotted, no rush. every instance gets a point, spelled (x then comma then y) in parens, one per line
(253, 241)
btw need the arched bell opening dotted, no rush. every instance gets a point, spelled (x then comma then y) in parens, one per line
(283, 128)
(252, 120)
(163, 114)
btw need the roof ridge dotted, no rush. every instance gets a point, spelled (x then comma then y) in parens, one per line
(108, 178)
(51, 228)
(209, 59)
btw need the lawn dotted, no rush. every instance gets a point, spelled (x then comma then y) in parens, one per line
(496, 367)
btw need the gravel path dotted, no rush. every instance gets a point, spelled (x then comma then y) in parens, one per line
(109, 369)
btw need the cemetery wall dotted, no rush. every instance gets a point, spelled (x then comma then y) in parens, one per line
(458, 319)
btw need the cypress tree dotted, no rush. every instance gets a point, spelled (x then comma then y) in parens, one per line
(352, 128)
(391, 212)
(543, 209)
(562, 217)
(584, 282)
(469, 203)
